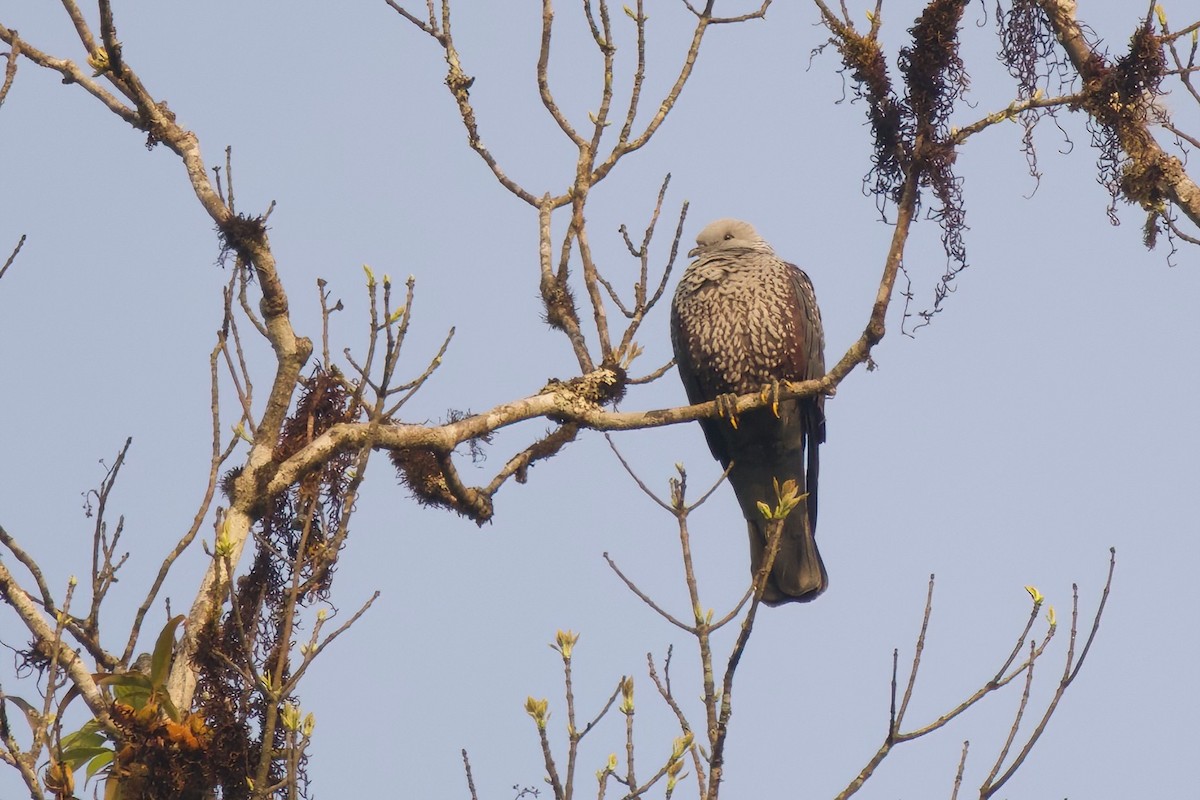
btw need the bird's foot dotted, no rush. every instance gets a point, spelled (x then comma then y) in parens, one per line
(770, 393)
(727, 408)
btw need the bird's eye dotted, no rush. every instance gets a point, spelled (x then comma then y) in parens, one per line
(728, 236)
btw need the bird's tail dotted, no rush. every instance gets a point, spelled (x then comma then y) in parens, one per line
(798, 574)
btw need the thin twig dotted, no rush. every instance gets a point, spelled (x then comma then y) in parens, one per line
(1070, 672)
(917, 651)
(466, 761)
(12, 256)
(652, 376)
(717, 760)
(460, 88)
(1016, 725)
(10, 73)
(958, 774)
(640, 483)
(646, 598)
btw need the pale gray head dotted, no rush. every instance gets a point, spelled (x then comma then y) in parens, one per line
(728, 234)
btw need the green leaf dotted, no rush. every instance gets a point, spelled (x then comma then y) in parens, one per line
(131, 688)
(134, 696)
(21, 703)
(160, 664)
(82, 739)
(98, 763)
(127, 680)
(169, 707)
(78, 756)
(32, 715)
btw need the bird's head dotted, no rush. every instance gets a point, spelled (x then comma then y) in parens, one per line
(728, 234)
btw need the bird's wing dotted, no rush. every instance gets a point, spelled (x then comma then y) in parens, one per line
(809, 353)
(808, 363)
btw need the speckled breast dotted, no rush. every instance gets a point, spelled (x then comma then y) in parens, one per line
(738, 322)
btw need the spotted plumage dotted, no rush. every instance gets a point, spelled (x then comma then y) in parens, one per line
(742, 319)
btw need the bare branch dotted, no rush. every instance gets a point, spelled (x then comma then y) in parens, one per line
(1071, 669)
(543, 79)
(79, 672)
(218, 457)
(1175, 230)
(958, 775)
(545, 447)
(430, 28)
(81, 27)
(35, 570)
(10, 72)
(72, 74)
(652, 376)
(1016, 725)
(1012, 111)
(646, 598)
(898, 717)
(762, 12)
(1192, 140)
(556, 294)
(466, 761)
(328, 640)
(646, 490)
(718, 736)
(12, 256)
(459, 84)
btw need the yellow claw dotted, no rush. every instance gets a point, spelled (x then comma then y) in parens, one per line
(727, 407)
(771, 390)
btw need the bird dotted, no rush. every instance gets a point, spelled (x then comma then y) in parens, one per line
(743, 320)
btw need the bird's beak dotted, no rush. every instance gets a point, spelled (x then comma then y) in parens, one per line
(695, 251)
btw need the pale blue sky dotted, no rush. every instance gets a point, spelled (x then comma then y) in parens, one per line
(1046, 416)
